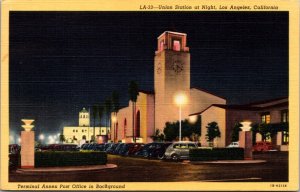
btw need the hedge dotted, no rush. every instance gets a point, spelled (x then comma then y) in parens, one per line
(209, 154)
(69, 158)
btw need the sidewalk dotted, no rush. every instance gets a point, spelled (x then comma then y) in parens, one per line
(66, 169)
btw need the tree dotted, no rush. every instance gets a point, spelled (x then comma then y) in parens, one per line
(212, 131)
(157, 136)
(190, 130)
(115, 108)
(95, 112)
(107, 109)
(100, 114)
(264, 131)
(62, 138)
(235, 132)
(254, 129)
(133, 92)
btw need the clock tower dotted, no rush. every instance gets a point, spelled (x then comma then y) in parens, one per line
(171, 77)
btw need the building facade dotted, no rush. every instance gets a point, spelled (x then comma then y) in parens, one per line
(74, 134)
(171, 78)
(273, 112)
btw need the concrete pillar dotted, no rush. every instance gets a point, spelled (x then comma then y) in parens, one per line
(27, 145)
(245, 141)
(27, 149)
(279, 138)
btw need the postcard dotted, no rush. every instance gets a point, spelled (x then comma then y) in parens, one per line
(142, 95)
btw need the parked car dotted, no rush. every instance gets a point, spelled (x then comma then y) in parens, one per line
(111, 148)
(125, 148)
(118, 148)
(179, 150)
(141, 152)
(14, 149)
(159, 151)
(14, 155)
(156, 150)
(233, 145)
(134, 148)
(262, 146)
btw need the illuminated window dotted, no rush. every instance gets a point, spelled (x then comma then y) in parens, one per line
(161, 45)
(176, 45)
(284, 116)
(285, 137)
(266, 118)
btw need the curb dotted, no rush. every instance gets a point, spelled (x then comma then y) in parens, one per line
(66, 169)
(229, 162)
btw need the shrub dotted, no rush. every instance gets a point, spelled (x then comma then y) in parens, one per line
(209, 154)
(69, 158)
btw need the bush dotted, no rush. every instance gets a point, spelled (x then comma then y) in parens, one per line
(209, 154)
(69, 158)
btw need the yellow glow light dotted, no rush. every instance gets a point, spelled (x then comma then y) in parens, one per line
(114, 119)
(246, 125)
(180, 99)
(193, 118)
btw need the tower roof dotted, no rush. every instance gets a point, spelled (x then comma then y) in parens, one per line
(83, 110)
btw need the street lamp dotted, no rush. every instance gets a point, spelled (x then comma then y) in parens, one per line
(114, 120)
(180, 99)
(41, 137)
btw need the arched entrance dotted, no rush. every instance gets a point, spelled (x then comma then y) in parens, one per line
(138, 124)
(124, 128)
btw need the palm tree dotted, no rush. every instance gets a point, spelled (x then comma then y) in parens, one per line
(107, 108)
(100, 114)
(95, 111)
(115, 108)
(133, 91)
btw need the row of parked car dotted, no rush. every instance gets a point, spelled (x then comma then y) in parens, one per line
(156, 150)
(150, 150)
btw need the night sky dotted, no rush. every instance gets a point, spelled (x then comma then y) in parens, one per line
(63, 61)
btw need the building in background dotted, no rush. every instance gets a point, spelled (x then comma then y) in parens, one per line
(84, 131)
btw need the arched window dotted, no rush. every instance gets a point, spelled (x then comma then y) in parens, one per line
(138, 124)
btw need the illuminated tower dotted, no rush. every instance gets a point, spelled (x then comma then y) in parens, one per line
(171, 76)
(84, 118)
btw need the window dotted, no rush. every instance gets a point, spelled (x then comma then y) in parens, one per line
(266, 118)
(176, 146)
(284, 116)
(176, 45)
(191, 145)
(161, 45)
(285, 137)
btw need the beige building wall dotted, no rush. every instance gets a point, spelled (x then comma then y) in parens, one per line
(79, 132)
(200, 100)
(145, 107)
(218, 115)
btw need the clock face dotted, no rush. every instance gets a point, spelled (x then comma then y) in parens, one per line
(177, 66)
(158, 68)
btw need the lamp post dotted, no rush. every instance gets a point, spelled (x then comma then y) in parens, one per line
(114, 120)
(180, 99)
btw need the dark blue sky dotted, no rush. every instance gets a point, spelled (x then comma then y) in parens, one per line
(63, 61)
